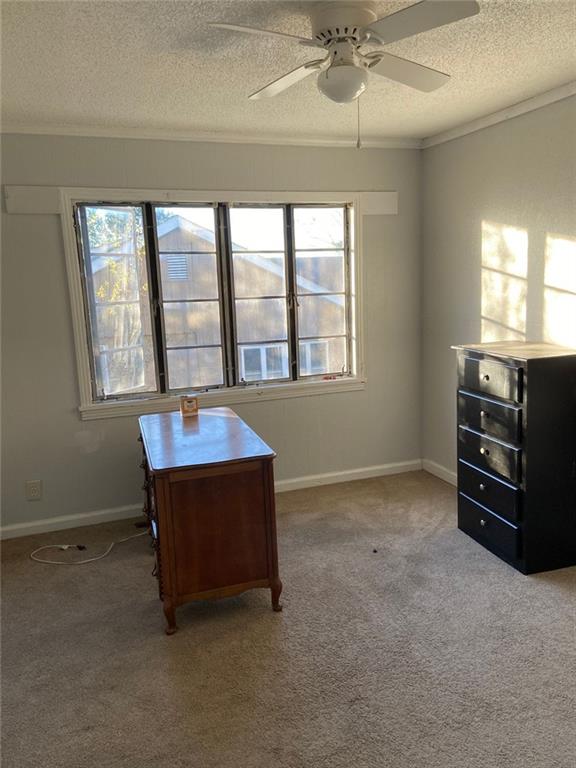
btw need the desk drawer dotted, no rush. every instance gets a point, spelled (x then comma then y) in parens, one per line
(490, 378)
(501, 498)
(496, 419)
(490, 455)
(487, 528)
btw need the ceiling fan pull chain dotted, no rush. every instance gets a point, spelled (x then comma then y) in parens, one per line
(358, 142)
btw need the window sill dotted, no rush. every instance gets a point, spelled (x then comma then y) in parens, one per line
(249, 394)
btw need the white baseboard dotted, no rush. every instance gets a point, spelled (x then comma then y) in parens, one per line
(122, 513)
(69, 521)
(442, 472)
(362, 473)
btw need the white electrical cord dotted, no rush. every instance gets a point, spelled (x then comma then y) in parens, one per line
(33, 555)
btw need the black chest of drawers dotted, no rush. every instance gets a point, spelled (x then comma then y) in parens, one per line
(517, 452)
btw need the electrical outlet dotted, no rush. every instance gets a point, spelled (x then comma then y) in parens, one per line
(33, 490)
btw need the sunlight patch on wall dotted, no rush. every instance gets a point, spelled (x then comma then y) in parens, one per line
(504, 282)
(559, 326)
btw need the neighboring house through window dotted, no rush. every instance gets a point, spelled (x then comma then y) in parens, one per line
(203, 296)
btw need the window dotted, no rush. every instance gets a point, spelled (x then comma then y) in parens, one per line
(263, 362)
(207, 296)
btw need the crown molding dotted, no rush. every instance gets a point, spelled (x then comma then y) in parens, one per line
(206, 137)
(508, 113)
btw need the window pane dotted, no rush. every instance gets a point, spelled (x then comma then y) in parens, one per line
(318, 227)
(320, 271)
(115, 278)
(323, 356)
(119, 325)
(123, 371)
(274, 361)
(263, 362)
(188, 276)
(257, 229)
(193, 368)
(192, 324)
(187, 229)
(251, 363)
(259, 274)
(118, 299)
(321, 316)
(261, 319)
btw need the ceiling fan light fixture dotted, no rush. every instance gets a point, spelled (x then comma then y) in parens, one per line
(343, 83)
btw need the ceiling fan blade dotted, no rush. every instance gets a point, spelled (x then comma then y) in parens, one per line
(291, 78)
(428, 14)
(266, 32)
(408, 72)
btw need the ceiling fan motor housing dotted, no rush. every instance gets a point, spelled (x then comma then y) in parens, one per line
(341, 21)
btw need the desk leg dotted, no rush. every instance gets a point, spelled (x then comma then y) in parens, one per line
(276, 590)
(170, 614)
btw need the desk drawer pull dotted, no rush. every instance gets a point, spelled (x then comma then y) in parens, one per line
(482, 486)
(485, 451)
(484, 414)
(483, 523)
(486, 377)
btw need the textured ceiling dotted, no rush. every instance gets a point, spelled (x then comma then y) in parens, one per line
(128, 66)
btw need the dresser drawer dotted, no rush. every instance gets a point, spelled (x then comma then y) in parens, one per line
(490, 378)
(489, 529)
(501, 498)
(497, 419)
(490, 455)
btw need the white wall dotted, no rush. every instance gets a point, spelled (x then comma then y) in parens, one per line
(499, 241)
(87, 466)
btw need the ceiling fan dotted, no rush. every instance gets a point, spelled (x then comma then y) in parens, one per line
(342, 28)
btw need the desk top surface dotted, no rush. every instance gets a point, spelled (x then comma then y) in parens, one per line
(214, 436)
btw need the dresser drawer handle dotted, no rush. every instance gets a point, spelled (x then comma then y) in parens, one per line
(483, 523)
(484, 415)
(482, 487)
(486, 377)
(485, 451)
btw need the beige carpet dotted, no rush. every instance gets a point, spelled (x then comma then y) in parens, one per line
(429, 653)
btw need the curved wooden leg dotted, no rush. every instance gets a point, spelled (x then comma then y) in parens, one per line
(170, 614)
(276, 590)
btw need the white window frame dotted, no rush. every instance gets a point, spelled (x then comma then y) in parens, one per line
(249, 392)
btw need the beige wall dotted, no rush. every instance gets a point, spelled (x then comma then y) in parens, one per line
(87, 466)
(498, 250)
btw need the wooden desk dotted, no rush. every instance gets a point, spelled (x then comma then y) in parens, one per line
(210, 505)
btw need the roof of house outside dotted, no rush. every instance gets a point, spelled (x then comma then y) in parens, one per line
(200, 233)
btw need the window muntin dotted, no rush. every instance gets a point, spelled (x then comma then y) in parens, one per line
(233, 294)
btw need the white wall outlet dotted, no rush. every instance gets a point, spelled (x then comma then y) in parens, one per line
(33, 490)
